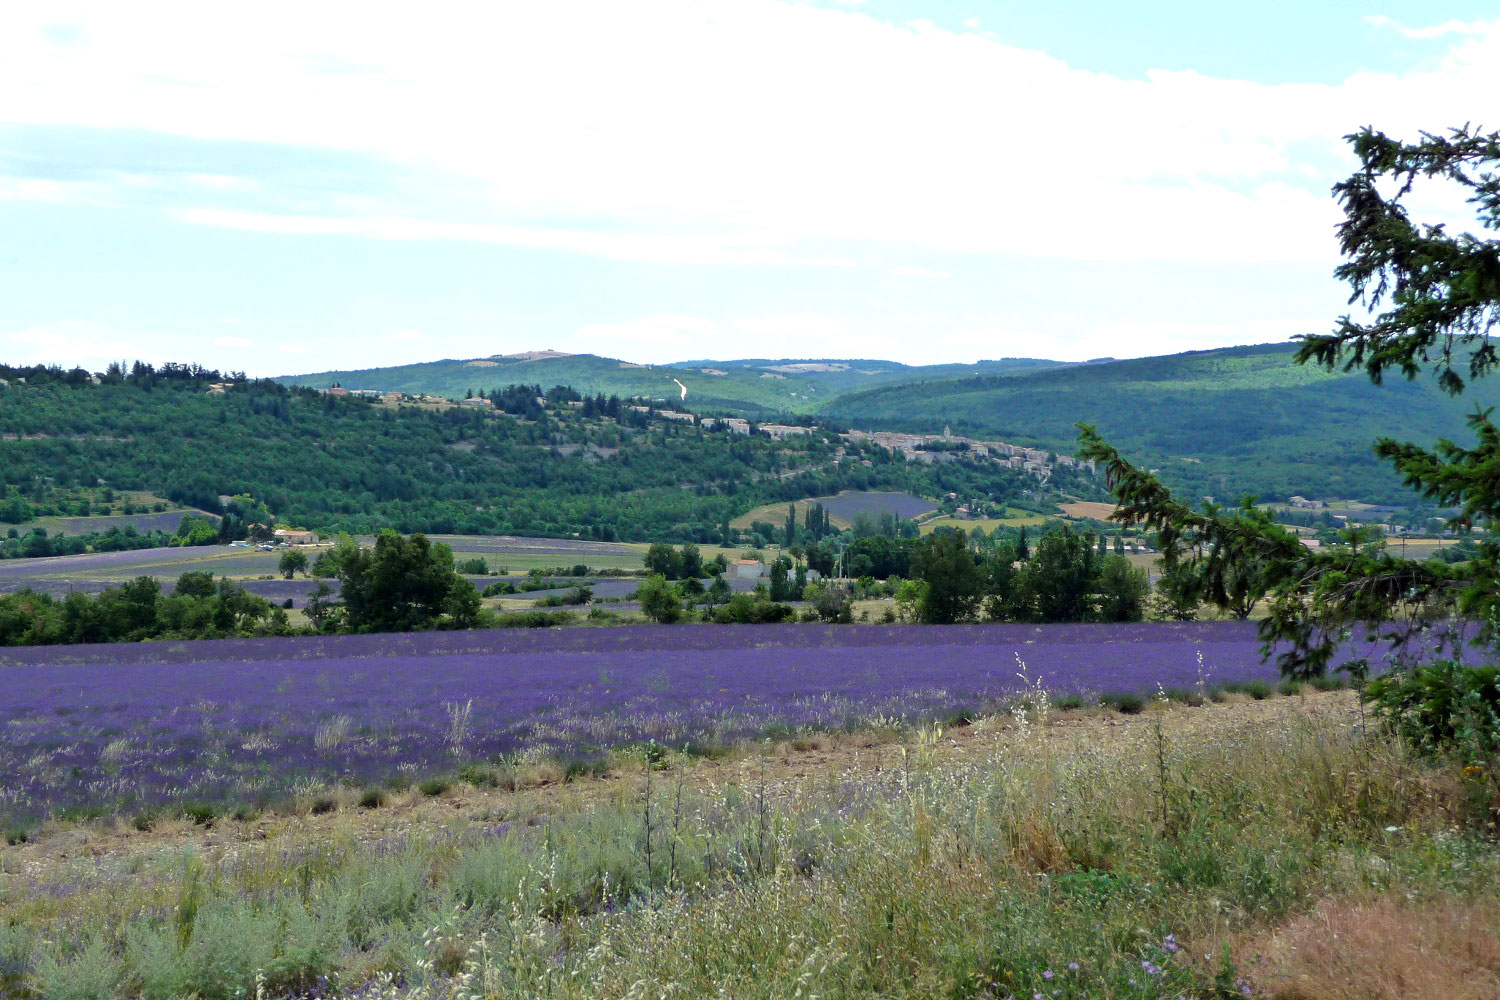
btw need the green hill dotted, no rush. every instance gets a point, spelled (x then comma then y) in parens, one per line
(587, 373)
(357, 464)
(828, 377)
(1221, 422)
(754, 388)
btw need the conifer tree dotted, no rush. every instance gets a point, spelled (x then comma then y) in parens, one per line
(1433, 298)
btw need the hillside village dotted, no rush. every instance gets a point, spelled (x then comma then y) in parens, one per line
(1313, 519)
(925, 448)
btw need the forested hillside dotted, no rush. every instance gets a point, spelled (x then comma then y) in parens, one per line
(1230, 421)
(326, 462)
(756, 388)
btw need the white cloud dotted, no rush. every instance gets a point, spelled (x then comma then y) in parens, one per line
(658, 248)
(406, 336)
(1431, 31)
(753, 132)
(222, 182)
(906, 271)
(70, 343)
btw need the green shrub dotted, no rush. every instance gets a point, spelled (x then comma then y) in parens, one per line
(86, 972)
(16, 946)
(1259, 690)
(1126, 703)
(202, 813)
(435, 786)
(1440, 704)
(228, 942)
(533, 619)
(1185, 695)
(480, 775)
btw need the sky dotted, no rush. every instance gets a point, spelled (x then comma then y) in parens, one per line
(282, 188)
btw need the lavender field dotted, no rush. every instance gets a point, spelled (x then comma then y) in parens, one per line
(119, 728)
(850, 505)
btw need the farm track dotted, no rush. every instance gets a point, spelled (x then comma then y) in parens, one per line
(63, 850)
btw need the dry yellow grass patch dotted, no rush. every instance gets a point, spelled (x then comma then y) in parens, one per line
(1384, 948)
(1088, 509)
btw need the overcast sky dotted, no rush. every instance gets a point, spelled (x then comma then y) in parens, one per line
(284, 188)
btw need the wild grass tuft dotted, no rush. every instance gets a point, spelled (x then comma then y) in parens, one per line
(202, 813)
(433, 787)
(1256, 690)
(1126, 702)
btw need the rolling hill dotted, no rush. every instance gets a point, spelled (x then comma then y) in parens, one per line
(1221, 422)
(356, 464)
(753, 388)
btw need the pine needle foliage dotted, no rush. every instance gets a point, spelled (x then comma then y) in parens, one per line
(1432, 299)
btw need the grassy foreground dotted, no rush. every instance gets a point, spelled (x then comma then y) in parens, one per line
(1272, 848)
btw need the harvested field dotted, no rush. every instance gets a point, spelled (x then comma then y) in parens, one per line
(989, 524)
(164, 563)
(92, 572)
(1088, 509)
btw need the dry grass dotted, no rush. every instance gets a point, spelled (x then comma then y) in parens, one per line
(1382, 948)
(1052, 853)
(1091, 509)
(775, 513)
(989, 524)
(539, 789)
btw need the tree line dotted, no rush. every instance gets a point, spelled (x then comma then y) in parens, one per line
(1068, 576)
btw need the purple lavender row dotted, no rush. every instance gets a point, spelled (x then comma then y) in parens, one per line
(134, 726)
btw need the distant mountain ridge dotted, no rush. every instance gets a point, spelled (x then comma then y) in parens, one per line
(1216, 423)
(746, 387)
